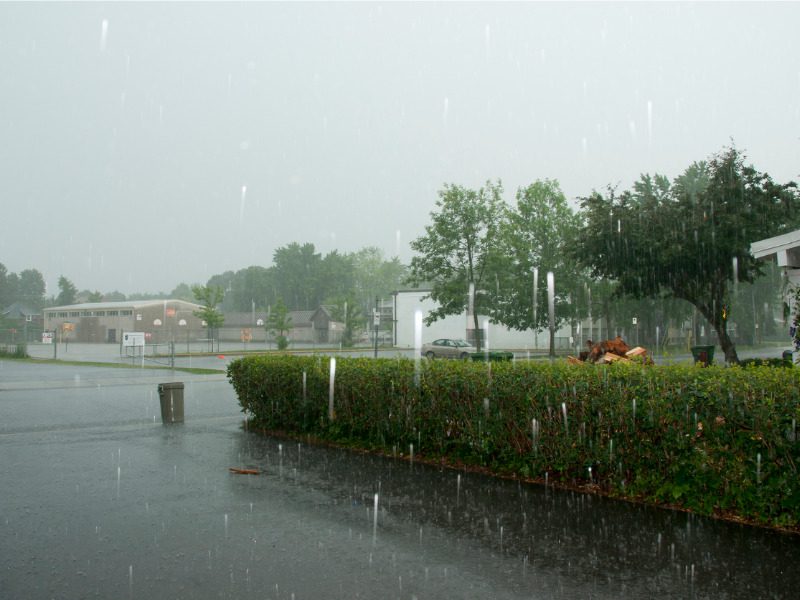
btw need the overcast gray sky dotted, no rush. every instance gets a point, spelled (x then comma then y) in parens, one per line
(147, 144)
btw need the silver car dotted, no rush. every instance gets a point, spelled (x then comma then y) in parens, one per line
(447, 348)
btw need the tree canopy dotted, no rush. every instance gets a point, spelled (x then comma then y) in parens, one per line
(209, 297)
(67, 292)
(691, 238)
(457, 250)
(535, 237)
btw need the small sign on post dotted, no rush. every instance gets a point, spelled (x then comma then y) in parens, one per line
(133, 339)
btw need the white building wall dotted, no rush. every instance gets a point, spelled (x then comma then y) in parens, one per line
(455, 326)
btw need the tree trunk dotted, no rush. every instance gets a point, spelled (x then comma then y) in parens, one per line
(720, 325)
(477, 330)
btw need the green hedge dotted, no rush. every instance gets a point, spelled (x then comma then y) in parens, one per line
(713, 440)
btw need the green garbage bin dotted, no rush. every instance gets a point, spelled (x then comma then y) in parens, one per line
(171, 397)
(703, 354)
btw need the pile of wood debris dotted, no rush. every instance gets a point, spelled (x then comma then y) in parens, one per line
(610, 351)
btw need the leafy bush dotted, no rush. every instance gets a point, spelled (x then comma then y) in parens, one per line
(766, 362)
(14, 351)
(282, 342)
(714, 440)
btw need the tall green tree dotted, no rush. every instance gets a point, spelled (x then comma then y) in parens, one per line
(251, 286)
(182, 291)
(457, 250)
(536, 237)
(374, 275)
(347, 310)
(297, 274)
(688, 239)
(8, 286)
(279, 323)
(31, 288)
(67, 292)
(210, 297)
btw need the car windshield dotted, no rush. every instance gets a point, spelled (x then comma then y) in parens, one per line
(460, 343)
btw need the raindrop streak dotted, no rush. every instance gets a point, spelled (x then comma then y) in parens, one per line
(241, 205)
(551, 307)
(330, 392)
(226, 525)
(304, 392)
(103, 35)
(758, 467)
(375, 521)
(564, 412)
(535, 434)
(119, 474)
(130, 580)
(411, 453)
(535, 307)
(735, 276)
(470, 300)
(417, 343)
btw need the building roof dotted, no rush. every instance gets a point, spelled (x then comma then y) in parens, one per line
(134, 304)
(786, 247)
(301, 318)
(18, 310)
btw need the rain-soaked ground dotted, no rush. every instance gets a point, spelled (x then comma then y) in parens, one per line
(101, 500)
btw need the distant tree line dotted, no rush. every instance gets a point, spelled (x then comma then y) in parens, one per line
(304, 279)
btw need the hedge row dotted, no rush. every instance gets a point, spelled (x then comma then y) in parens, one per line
(713, 440)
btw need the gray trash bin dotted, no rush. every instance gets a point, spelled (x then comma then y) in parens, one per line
(171, 397)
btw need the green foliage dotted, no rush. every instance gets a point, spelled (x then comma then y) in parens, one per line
(346, 310)
(537, 235)
(712, 440)
(14, 351)
(30, 288)
(458, 250)
(182, 291)
(210, 297)
(687, 238)
(67, 292)
(279, 323)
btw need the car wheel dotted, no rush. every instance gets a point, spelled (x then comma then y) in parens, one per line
(464, 356)
(430, 355)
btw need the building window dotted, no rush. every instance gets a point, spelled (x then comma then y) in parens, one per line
(113, 313)
(87, 313)
(99, 313)
(63, 314)
(126, 313)
(75, 314)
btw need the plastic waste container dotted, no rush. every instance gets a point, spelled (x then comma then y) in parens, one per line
(171, 397)
(703, 354)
